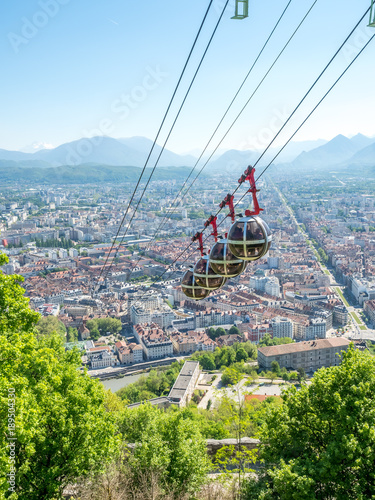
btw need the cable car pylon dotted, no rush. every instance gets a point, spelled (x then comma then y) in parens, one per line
(372, 15)
(241, 10)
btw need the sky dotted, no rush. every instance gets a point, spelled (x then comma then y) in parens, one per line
(80, 68)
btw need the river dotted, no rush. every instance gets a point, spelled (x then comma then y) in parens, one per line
(116, 384)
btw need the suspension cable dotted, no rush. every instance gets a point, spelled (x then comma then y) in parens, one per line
(222, 118)
(170, 132)
(157, 136)
(287, 142)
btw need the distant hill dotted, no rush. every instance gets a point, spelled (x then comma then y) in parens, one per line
(168, 158)
(14, 155)
(232, 161)
(83, 174)
(133, 152)
(104, 151)
(335, 152)
(239, 160)
(364, 157)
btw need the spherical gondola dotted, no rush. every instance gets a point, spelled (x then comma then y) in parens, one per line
(205, 277)
(191, 289)
(223, 262)
(249, 238)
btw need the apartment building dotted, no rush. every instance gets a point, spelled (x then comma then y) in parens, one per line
(282, 327)
(341, 315)
(310, 355)
(154, 342)
(192, 341)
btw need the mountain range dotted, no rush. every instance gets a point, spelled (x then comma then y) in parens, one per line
(132, 152)
(100, 150)
(339, 151)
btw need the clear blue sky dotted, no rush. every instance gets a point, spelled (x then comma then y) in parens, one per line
(69, 72)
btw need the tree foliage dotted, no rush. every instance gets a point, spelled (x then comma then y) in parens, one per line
(50, 324)
(322, 439)
(156, 383)
(102, 326)
(225, 356)
(72, 335)
(15, 315)
(168, 444)
(62, 428)
(267, 340)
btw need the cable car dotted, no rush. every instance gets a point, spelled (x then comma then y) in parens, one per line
(249, 238)
(372, 15)
(190, 287)
(205, 276)
(223, 261)
(241, 10)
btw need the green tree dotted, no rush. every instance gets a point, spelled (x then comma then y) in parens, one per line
(275, 367)
(169, 445)
(230, 376)
(211, 332)
(62, 428)
(220, 331)
(301, 374)
(241, 354)
(251, 349)
(266, 341)
(207, 361)
(50, 324)
(72, 335)
(331, 452)
(234, 331)
(15, 314)
(104, 326)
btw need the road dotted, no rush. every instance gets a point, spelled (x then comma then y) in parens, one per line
(356, 330)
(111, 371)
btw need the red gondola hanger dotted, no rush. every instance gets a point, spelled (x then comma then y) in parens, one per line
(204, 275)
(199, 237)
(249, 176)
(228, 201)
(213, 222)
(250, 238)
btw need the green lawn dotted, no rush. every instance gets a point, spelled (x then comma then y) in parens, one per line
(357, 320)
(325, 271)
(342, 297)
(362, 327)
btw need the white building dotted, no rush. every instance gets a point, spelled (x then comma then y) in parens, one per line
(163, 318)
(316, 330)
(184, 386)
(139, 315)
(73, 253)
(267, 284)
(272, 286)
(282, 327)
(154, 341)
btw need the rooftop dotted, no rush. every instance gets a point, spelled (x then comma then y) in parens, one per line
(278, 350)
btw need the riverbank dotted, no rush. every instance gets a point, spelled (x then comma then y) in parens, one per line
(115, 372)
(115, 384)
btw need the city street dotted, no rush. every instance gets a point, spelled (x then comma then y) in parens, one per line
(357, 328)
